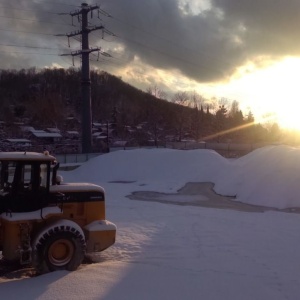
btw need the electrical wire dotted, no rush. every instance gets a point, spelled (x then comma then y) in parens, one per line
(115, 38)
(30, 20)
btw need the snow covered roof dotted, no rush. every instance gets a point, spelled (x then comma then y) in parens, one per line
(96, 124)
(120, 143)
(53, 130)
(73, 132)
(96, 133)
(27, 128)
(44, 134)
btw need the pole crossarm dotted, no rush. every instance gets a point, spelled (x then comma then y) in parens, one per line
(92, 28)
(85, 8)
(79, 52)
(92, 49)
(87, 29)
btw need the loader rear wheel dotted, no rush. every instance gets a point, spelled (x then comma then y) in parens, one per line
(59, 248)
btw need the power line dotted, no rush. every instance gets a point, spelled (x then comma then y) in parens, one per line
(33, 47)
(186, 61)
(31, 53)
(193, 64)
(61, 3)
(21, 31)
(127, 39)
(30, 20)
(164, 39)
(33, 10)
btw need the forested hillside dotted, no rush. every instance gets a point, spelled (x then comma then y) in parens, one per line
(47, 97)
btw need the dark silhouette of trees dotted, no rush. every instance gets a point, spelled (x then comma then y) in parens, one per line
(220, 121)
(46, 97)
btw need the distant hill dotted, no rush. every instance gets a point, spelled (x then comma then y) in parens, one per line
(49, 97)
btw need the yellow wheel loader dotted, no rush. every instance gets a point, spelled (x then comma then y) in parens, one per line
(45, 222)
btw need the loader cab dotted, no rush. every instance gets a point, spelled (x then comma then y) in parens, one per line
(24, 182)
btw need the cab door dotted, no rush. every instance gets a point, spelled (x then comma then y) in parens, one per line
(29, 192)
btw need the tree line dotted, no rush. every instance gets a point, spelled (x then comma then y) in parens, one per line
(46, 97)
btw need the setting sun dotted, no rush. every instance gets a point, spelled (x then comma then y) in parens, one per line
(286, 93)
(282, 93)
(272, 93)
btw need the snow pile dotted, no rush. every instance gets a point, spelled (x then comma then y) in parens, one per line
(161, 170)
(268, 176)
(152, 164)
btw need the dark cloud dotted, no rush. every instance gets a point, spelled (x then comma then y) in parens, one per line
(28, 31)
(206, 46)
(271, 26)
(210, 45)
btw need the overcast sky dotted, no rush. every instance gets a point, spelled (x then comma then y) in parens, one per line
(169, 43)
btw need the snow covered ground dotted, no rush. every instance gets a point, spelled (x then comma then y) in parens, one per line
(166, 251)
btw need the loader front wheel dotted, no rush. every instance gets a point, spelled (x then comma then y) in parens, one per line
(59, 248)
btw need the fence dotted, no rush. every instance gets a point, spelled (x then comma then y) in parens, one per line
(225, 149)
(228, 150)
(75, 158)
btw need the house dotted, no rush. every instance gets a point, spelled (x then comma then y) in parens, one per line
(26, 128)
(46, 137)
(72, 134)
(19, 143)
(53, 130)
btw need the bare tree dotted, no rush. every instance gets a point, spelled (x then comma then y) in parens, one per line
(234, 109)
(156, 92)
(196, 100)
(181, 98)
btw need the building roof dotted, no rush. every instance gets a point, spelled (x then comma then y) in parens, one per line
(44, 134)
(96, 124)
(27, 128)
(120, 143)
(96, 133)
(53, 130)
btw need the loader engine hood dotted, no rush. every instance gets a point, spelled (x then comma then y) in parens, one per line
(94, 191)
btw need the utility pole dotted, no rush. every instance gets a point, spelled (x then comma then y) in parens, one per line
(86, 113)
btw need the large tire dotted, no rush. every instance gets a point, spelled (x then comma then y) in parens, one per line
(59, 247)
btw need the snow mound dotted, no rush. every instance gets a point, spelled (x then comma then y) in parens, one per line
(152, 164)
(268, 176)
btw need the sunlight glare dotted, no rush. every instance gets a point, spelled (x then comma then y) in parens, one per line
(285, 92)
(271, 90)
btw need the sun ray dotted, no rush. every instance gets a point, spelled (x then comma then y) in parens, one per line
(234, 129)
